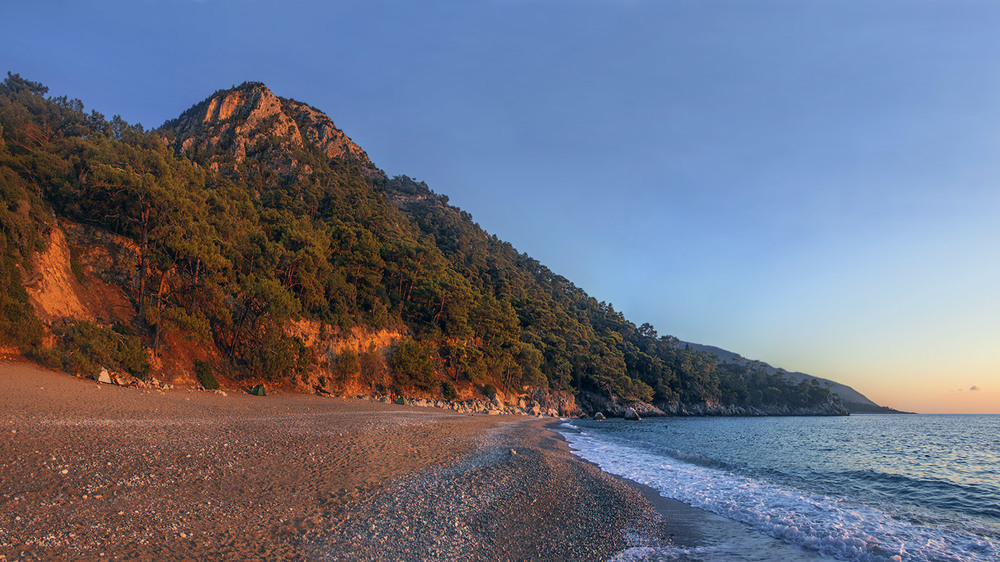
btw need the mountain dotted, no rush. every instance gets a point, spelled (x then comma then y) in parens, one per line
(853, 400)
(250, 240)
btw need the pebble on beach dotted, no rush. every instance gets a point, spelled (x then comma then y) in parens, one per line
(152, 476)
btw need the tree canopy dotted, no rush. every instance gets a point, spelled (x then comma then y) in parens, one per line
(231, 250)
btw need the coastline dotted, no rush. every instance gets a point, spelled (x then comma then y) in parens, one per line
(684, 532)
(90, 471)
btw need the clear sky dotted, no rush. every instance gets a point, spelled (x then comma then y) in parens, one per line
(812, 183)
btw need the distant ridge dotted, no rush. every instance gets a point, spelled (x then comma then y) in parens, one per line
(853, 400)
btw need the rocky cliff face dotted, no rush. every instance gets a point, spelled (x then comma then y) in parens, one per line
(243, 120)
(552, 402)
(79, 275)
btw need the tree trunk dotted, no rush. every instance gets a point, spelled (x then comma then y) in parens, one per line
(160, 303)
(143, 259)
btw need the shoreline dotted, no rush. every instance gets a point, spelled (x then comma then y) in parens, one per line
(690, 533)
(90, 472)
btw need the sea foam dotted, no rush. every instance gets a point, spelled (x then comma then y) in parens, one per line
(830, 526)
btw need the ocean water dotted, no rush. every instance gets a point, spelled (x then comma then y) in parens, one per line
(864, 487)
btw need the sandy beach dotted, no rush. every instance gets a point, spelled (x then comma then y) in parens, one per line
(91, 471)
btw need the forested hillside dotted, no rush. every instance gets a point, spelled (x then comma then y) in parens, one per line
(251, 214)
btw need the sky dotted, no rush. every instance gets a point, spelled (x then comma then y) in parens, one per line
(811, 183)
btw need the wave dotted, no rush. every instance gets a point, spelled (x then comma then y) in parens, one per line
(924, 493)
(664, 553)
(831, 526)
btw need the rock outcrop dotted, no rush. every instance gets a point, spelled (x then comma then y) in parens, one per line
(491, 407)
(97, 289)
(590, 403)
(244, 120)
(554, 402)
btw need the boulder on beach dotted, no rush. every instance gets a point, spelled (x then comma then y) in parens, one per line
(259, 390)
(598, 416)
(631, 414)
(104, 377)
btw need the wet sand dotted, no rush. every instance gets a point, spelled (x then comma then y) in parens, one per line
(91, 471)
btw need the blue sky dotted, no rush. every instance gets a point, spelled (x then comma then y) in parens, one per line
(812, 183)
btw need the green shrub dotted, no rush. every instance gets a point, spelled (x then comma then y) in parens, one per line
(49, 357)
(413, 364)
(83, 346)
(124, 329)
(18, 324)
(470, 362)
(192, 325)
(203, 370)
(489, 391)
(347, 364)
(448, 390)
(372, 367)
(74, 263)
(277, 357)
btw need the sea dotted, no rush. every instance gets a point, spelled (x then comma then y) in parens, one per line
(862, 487)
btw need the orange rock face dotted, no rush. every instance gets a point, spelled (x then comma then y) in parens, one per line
(52, 287)
(243, 118)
